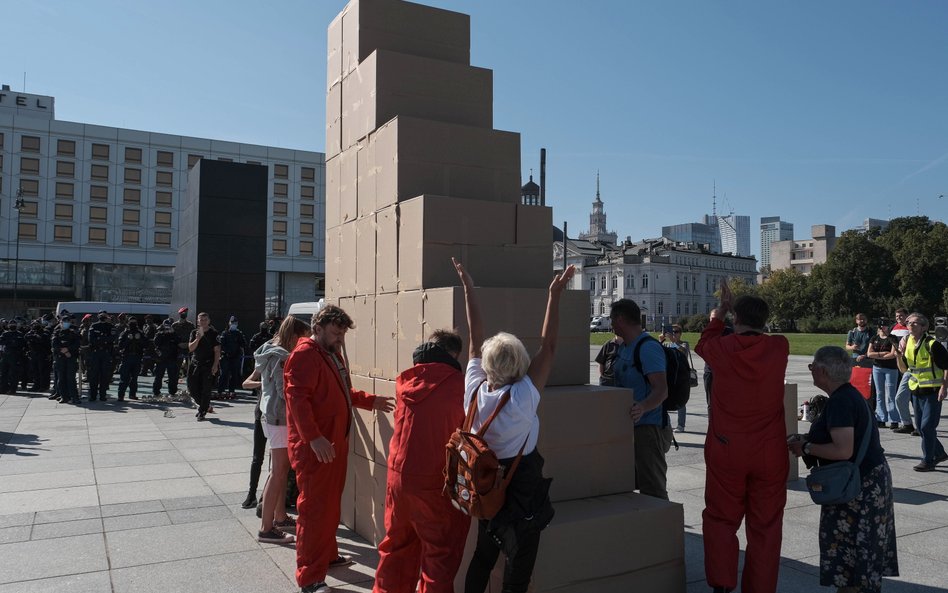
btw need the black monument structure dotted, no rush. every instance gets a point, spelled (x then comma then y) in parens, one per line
(222, 244)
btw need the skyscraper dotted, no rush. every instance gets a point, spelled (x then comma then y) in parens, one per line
(772, 229)
(735, 234)
(597, 222)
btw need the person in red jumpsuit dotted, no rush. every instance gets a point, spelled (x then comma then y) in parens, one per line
(746, 446)
(422, 530)
(319, 400)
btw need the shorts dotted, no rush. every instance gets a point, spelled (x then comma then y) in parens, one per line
(276, 435)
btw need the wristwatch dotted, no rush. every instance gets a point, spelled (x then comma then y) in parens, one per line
(806, 448)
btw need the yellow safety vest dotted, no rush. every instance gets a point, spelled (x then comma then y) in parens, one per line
(925, 375)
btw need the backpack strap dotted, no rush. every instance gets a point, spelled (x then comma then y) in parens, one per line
(637, 356)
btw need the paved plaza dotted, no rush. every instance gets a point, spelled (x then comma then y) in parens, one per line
(139, 498)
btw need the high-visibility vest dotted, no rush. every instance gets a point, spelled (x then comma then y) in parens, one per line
(921, 364)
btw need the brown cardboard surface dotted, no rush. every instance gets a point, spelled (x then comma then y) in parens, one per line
(384, 423)
(415, 157)
(441, 219)
(534, 226)
(345, 268)
(790, 420)
(386, 339)
(586, 438)
(347, 510)
(609, 535)
(360, 341)
(386, 259)
(411, 325)
(334, 121)
(333, 192)
(387, 84)
(333, 262)
(334, 52)
(404, 27)
(365, 255)
(367, 178)
(348, 185)
(428, 265)
(370, 498)
(363, 422)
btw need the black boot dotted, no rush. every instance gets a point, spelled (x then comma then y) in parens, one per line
(249, 502)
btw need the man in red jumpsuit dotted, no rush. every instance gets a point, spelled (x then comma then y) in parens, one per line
(746, 447)
(319, 400)
(422, 530)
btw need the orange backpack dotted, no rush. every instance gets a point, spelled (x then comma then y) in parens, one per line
(474, 479)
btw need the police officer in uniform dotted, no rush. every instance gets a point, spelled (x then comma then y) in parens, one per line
(12, 347)
(148, 358)
(233, 346)
(38, 344)
(183, 328)
(66, 352)
(100, 342)
(165, 346)
(132, 345)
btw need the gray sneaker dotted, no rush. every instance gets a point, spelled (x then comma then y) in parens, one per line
(275, 536)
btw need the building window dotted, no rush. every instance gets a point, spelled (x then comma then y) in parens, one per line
(306, 210)
(279, 246)
(97, 235)
(100, 152)
(224, 159)
(62, 233)
(29, 209)
(29, 187)
(129, 238)
(644, 280)
(162, 219)
(615, 282)
(162, 239)
(164, 178)
(65, 190)
(678, 308)
(63, 211)
(307, 192)
(279, 227)
(279, 190)
(98, 214)
(592, 285)
(254, 163)
(29, 144)
(279, 208)
(133, 175)
(65, 169)
(132, 195)
(1, 140)
(27, 230)
(678, 282)
(133, 155)
(306, 248)
(29, 166)
(65, 148)
(193, 159)
(602, 283)
(99, 193)
(165, 158)
(630, 281)
(661, 307)
(306, 229)
(131, 216)
(602, 308)
(163, 198)
(281, 171)
(308, 173)
(100, 172)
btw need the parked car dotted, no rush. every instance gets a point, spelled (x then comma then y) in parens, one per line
(600, 324)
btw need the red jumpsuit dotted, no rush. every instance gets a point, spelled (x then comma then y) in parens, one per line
(746, 456)
(422, 530)
(317, 404)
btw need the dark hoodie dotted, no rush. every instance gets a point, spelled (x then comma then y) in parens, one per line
(749, 370)
(429, 408)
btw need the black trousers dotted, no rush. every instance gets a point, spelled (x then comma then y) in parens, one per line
(259, 450)
(172, 367)
(200, 383)
(521, 554)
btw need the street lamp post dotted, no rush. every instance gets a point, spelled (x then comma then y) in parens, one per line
(19, 204)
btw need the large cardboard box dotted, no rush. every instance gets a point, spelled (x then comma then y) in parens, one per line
(386, 339)
(348, 184)
(406, 27)
(456, 221)
(411, 325)
(360, 341)
(370, 499)
(333, 192)
(384, 423)
(341, 271)
(428, 265)
(334, 121)
(347, 509)
(333, 262)
(586, 438)
(362, 430)
(334, 52)
(388, 84)
(364, 263)
(534, 226)
(631, 539)
(386, 258)
(415, 156)
(368, 174)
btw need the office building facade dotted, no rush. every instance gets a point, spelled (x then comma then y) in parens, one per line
(772, 229)
(90, 212)
(803, 255)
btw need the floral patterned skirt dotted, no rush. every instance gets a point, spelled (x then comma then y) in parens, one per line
(857, 539)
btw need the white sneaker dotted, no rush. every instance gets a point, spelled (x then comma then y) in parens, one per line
(679, 429)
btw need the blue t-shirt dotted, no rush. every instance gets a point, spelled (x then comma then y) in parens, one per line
(653, 361)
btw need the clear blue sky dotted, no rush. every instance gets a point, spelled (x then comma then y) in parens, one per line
(819, 112)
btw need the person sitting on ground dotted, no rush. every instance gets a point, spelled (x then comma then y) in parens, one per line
(276, 527)
(496, 366)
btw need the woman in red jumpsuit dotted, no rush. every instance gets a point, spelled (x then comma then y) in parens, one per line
(423, 532)
(319, 400)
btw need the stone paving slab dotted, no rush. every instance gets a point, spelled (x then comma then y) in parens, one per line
(45, 500)
(66, 528)
(93, 582)
(177, 542)
(138, 473)
(45, 480)
(26, 561)
(152, 489)
(248, 572)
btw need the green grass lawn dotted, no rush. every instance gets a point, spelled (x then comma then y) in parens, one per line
(804, 344)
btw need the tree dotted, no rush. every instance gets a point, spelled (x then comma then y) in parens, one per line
(786, 294)
(858, 276)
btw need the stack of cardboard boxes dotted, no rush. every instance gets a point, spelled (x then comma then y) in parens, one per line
(416, 174)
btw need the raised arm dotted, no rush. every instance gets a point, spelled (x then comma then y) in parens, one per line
(542, 362)
(475, 323)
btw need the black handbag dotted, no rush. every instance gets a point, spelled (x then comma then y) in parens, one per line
(692, 373)
(840, 482)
